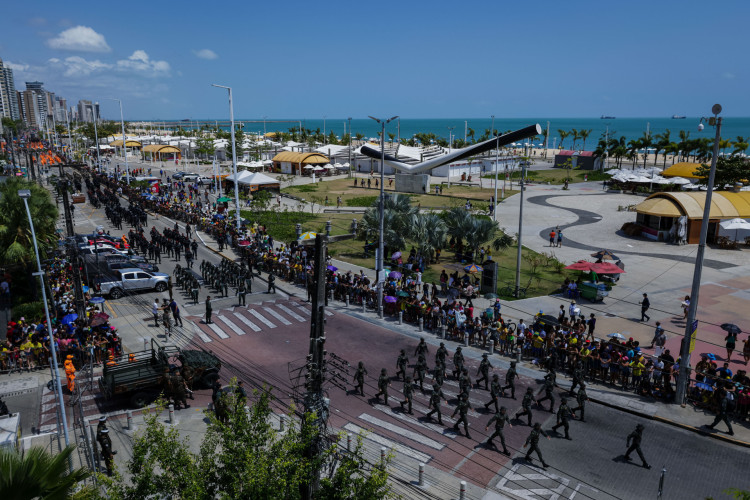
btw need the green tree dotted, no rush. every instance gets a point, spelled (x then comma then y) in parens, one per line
(729, 170)
(428, 231)
(36, 473)
(16, 246)
(575, 134)
(584, 135)
(480, 231)
(740, 145)
(563, 134)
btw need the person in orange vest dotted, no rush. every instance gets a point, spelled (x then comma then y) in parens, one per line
(71, 382)
(111, 360)
(131, 358)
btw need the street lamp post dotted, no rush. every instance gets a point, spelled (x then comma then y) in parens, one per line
(234, 155)
(692, 325)
(522, 184)
(381, 206)
(124, 141)
(497, 147)
(350, 146)
(25, 194)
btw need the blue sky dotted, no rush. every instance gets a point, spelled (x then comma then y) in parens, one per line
(295, 59)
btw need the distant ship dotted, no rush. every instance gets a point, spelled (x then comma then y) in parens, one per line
(678, 117)
(605, 117)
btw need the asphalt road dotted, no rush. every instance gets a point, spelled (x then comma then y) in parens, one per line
(265, 344)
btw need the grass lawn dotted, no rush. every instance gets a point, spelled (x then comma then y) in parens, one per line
(558, 175)
(363, 197)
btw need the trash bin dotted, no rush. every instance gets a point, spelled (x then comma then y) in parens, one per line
(594, 292)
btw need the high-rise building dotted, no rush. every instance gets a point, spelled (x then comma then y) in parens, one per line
(32, 115)
(41, 101)
(8, 100)
(86, 111)
(61, 110)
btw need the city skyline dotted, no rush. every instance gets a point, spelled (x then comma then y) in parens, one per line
(342, 60)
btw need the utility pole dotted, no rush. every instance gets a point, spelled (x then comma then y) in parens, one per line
(316, 405)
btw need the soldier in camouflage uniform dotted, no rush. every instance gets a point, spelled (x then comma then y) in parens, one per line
(581, 399)
(484, 369)
(383, 384)
(408, 393)
(528, 398)
(533, 440)
(359, 377)
(434, 405)
(500, 419)
(510, 380)
(419, 371)
(401, 363)
(549, 392)
(462, 409)
(495, 391)
(563, 417)
(458, 362)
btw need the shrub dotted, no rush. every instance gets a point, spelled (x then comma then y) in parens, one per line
(30, 311)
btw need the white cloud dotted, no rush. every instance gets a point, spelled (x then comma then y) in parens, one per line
(205, 54)
(78, 66)
(139, 62)
(16, 66)
(81, 39)
(728, 75)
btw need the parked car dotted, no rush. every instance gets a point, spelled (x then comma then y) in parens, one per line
(101, 250)
(178, 175)
(133, 280)
(106, 238)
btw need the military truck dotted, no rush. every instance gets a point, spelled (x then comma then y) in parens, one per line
(140, 376)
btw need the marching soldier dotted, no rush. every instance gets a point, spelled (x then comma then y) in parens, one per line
(100, 427)
(528, 398)
(401, 364)
(419, 371)
(107, 454)
(581, 399)
(438, 374)
(271, 283)
(510, 377)
(484, 369)
(421, 348)
(458, 362)
(359, 377)
(464, 382)
(383, 384)
(441, 353)
(634, 444)
(408, 392)
(549, 394)
(495, 391)
(577, 376)
(462, 408)
(241, 292)
(209, 309)
(723, 414)
(500, 419)
(563, 418)
(533, 440)
(434, 405)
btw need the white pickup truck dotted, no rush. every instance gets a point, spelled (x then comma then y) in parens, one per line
(133, 280)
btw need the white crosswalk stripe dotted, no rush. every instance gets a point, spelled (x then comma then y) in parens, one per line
(414, 436)
(290, 312)
(397, 447)
(231, 325)
(278, 316)
(217, 330)
(415, 421)
(303, 309)
(247, 321)
(201, 335)
(261, 318)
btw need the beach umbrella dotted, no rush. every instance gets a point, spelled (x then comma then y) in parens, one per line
(581, 265)
(333, 269)
(224, 199)
(218, 216)
(491, 296)
(243, 243)
(731, 328)
(473, 269)
(99, 319)
(605, 255)
(606, 268)
(735, 224)
(97, 300)
(704, 386)
(402, 293)
(309, 235)
(396, 255)
(616, 335)
(394, 275)
(389, 299)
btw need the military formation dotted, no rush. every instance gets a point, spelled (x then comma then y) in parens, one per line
(490, 382)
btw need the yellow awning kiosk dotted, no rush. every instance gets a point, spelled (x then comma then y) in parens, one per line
(157, 152)
(291, 162)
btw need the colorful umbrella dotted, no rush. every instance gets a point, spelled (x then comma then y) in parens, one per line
(606, 268)
(309, 235)
(389, 299)
(402, 293)
(224, 199)
(605, 255)
(332, 268)
(731, 328)
(69, 318)
(396, 255)
(616, 335)
(243, 243)
(394, 275)
(581, 265)
(97, 300)
(473, 269)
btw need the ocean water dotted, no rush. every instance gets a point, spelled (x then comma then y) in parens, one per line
(630, 128)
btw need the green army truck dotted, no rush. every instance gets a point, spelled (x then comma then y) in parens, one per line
(140, 375)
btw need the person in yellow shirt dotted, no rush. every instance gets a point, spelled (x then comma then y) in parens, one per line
(637, 367)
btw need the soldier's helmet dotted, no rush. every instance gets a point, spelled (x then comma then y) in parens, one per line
(436, 386)
(403, 352)
(583, 386)
(458, 348)
(537, 426)
(361, 364)
(408, 379)
(382, 371)
(513, 364)
(639, 427)
(502, 409)
(529, 390)
(564, 400)
(484, 355)
(494, 376)
(442, 344)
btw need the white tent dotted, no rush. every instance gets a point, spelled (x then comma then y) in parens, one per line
(241, 176)
(258, 179)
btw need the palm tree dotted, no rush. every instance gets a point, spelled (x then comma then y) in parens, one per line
(428, 231)
(391, 137)
(740, 145)
(576, 135)
(646, 142)
(584, 135)
(563, 134)
(16, 246)
(633, 146)
(480, 231)
(38, 474)
(393, 228)
(683, 144)
(724, 144)
(670, 149)
(458, 223)
(662, 141)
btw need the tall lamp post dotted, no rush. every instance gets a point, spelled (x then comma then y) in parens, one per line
(124, 141)
(350, 146)
(522, 184)
(25, 194)
(497, 147)
(692, 324)
(381, 207)
(234, 155)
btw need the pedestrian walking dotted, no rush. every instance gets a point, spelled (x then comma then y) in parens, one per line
(495, 391)
(645, 304)
(359, 378)
(271, 283)
(383, 384)
(634, 444)
(581, 399)
(724, 408)
(155, 311)
(549, 392)
(209, 310)
(500, 418)
(241, 292)
(484, 369)
(533, 440)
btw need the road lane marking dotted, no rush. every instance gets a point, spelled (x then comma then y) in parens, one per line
(247, 321)
(231, 325)
(261, 318)
(217, 330)
(414, 436)
(399, 448)
(290, 312)
(199, 332)
(278, 316)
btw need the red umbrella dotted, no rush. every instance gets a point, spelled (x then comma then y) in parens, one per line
(581, 265)
(606, 268)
